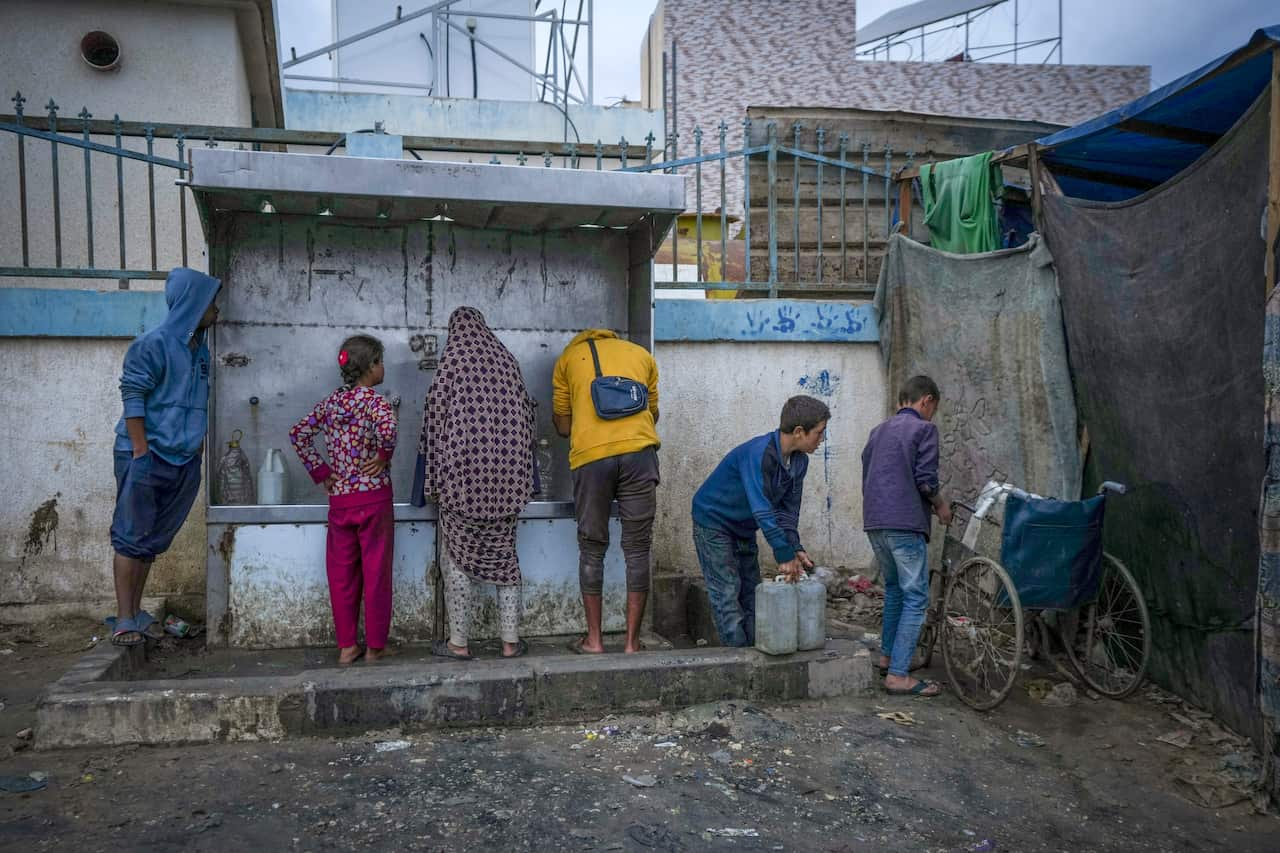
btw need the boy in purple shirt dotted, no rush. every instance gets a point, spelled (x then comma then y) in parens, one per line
(899, 490)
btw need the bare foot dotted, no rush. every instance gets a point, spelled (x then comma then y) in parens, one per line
(348, 655)
(460, 650)
(630, 649)
(584, 647)
(371, 654)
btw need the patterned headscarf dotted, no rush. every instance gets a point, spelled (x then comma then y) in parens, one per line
(478, 425)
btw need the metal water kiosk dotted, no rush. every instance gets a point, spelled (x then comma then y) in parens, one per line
(313, 248)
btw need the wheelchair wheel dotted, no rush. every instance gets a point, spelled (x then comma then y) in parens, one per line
(981, 631)
(1109, 640)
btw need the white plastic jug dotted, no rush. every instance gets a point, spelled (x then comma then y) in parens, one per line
(776, 612)
(811, 614)
(272, 482)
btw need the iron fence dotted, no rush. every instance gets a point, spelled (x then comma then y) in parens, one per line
(817, 190)
(771, 151)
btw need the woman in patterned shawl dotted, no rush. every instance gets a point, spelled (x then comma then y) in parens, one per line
(477, 440)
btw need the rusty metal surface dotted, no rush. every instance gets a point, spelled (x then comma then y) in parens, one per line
(294, 287)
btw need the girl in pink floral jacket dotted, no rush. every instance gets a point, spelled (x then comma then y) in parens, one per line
(359, 428)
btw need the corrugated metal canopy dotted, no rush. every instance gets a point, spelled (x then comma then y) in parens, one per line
(518, 198)
(918, 14)
(1146, 142)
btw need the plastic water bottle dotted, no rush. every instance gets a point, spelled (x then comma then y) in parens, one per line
(811, 614)
(271, 479)
(777, 607)
(234, 476)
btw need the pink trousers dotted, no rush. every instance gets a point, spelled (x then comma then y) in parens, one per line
(358, 560)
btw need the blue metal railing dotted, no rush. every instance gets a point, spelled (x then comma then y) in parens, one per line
(731, 164)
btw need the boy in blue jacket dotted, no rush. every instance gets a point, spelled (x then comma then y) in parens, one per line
(756, 487)
(159, 442)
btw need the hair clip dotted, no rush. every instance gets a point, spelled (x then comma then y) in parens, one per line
(343, 358)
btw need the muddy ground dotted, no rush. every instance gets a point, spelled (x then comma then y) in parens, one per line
(821, 776)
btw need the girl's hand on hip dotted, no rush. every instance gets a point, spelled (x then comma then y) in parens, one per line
(374, 466)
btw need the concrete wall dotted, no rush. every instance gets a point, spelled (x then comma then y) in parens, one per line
(58, 397)
(725, 369)
(738, 53)
(179, 64)
(718, 395)
(58, 407)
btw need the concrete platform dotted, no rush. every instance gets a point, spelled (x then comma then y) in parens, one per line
(107, 698)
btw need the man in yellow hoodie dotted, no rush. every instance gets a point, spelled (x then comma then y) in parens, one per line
(615, 459)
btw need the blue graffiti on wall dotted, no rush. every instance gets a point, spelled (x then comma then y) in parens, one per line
(823, 384)
(790, 320)
(786, 320)
(853, 323)
(757, 322)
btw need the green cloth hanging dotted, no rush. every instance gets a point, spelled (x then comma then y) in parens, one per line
(960, 204)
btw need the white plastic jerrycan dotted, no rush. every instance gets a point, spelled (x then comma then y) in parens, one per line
(272, 482)
(776, 612)
(811, 613)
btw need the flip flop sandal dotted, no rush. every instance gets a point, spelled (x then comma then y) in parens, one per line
(440, 648)
(522, 649)
(148, 625)
(918, 690)
(121, 628)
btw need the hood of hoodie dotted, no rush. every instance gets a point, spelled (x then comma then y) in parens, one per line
(188, 293)
(592, 335)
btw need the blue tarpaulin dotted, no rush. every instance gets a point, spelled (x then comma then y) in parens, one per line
(1144, 143)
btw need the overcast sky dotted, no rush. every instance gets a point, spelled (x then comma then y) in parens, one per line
(1172, 36)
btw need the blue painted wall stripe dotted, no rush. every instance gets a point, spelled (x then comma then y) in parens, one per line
(35, 312)
(39, 312)
(789, 320)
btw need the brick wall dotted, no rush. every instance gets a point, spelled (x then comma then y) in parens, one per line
(733, 54)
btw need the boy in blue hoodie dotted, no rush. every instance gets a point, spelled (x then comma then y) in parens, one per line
(159, 442)
(756, 487)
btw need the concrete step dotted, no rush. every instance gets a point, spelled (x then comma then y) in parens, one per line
(107, 698)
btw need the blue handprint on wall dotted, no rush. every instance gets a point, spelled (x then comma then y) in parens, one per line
(756, 323)
(852, 323)
(786, 320)
(824, 321)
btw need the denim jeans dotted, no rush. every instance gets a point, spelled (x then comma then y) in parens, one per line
(731, 568)
(902, 555)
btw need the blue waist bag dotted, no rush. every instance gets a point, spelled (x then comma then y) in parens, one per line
(616, 396)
